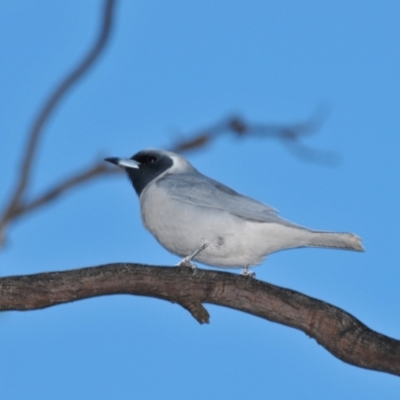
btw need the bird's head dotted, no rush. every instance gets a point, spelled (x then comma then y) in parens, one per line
(147, 165)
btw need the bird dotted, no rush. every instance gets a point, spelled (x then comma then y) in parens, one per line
(202, 220)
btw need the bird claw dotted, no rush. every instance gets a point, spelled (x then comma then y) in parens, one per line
(186, 263)
(245, 272)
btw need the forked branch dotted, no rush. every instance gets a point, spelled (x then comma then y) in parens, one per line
(17, 204)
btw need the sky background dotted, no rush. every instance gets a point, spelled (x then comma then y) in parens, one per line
(171, 68)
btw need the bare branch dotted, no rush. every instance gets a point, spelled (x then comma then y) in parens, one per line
(339, 332)
(60, 91)
(49, 106)
(99, 168)
(288, 134)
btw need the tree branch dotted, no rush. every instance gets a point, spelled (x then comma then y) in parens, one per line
(339, 332)
(36, 131)
(288, 134)
(99, 168)
(65, 85)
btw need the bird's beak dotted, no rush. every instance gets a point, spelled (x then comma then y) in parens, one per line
(123, 162)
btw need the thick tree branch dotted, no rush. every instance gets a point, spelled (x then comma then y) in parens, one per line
(339, 332)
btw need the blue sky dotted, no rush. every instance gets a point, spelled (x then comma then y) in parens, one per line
(171, 68)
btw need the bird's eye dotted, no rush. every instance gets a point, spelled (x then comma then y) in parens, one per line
(151, 159)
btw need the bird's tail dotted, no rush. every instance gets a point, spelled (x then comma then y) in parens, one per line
(337, 240)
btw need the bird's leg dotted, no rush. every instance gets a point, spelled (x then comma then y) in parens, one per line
(187, 261)
(246, 272)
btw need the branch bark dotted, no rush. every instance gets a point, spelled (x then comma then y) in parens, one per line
(338, 331)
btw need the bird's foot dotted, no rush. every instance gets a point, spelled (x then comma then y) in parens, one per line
(187, 261)
(246, 272)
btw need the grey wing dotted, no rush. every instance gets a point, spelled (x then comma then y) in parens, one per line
(200, 190)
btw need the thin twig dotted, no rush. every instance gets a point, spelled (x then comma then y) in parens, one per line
(72, 182)
(66, 84)
(71, 79)
(290, 135)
